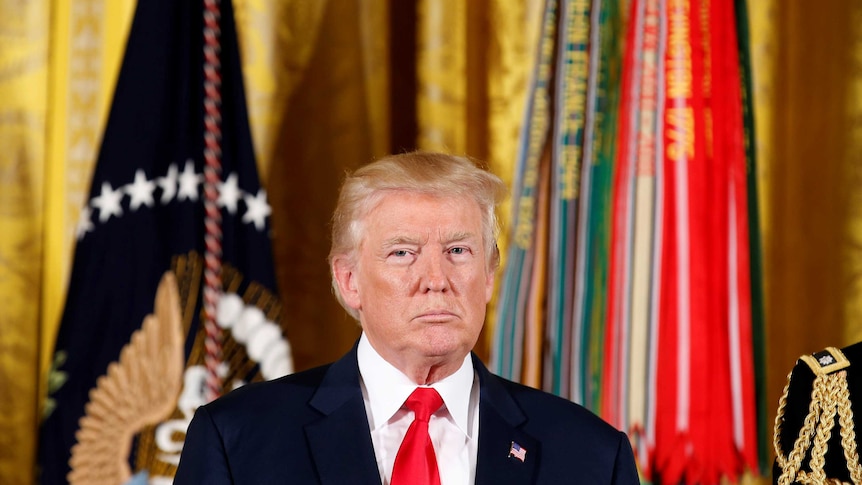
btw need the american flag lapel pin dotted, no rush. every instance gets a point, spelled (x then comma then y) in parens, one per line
(515, 450)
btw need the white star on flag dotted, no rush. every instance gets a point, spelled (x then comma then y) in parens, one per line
(140, 191)
(189, 181)
(229, 193)
(108, 202)
(85, 225)
(168, 183)
(257, 210)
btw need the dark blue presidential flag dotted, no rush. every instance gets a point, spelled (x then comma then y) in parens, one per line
(130, 361)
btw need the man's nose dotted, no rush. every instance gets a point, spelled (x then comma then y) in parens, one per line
(434, 277)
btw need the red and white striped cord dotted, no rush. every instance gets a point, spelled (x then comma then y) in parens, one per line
(212, 177)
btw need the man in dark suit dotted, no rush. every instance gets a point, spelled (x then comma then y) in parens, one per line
(413, 259)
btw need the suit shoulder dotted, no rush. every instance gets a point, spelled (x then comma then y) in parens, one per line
(828, 360)
(824, 362)
(293, 388)
(853, 352)
(540, 406)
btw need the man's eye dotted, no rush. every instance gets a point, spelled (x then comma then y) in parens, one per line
(399, 252)
(458, 250)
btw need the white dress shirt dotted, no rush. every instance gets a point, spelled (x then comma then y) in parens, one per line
(454, 429)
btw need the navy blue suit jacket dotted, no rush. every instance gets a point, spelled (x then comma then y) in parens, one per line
(311, 427)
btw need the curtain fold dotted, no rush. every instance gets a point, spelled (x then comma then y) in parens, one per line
(334, 118)
(472, 78)
(806, 69)
(23, 89)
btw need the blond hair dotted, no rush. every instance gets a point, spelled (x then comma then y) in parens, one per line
(434, 174)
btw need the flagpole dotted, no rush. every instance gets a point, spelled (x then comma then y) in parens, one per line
(212, 178)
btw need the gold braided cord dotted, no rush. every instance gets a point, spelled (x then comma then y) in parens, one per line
(824, 429)
(776, 430)
(848, 434)
(829, 396)
(807, 480)
(793, 462)
(805, 434)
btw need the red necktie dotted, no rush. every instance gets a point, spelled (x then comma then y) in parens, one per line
(415, 463)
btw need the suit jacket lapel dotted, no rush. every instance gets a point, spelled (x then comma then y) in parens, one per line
(340, 441)
(500, 419)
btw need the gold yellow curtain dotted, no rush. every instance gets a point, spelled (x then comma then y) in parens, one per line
(23, 89)
(808, 108)
(317, 78)
(59, 61)
(472, 82)
(325, 88)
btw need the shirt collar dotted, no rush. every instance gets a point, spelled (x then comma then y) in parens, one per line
(387, 387)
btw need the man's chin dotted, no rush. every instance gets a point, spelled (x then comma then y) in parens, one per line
(445, 350)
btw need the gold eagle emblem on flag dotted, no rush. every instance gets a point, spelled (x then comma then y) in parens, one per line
(140, 389)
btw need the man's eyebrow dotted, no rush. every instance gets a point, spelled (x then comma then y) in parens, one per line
(460, 236)
(393, 241)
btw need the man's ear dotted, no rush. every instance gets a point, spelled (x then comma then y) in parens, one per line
(344, 271)
(490, 277)
(491, 273)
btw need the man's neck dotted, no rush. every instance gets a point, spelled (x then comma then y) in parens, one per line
(425, 375)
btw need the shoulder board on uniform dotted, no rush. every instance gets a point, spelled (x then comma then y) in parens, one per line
(826, 361)
(829, 404)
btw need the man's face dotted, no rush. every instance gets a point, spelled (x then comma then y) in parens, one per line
(420, 282)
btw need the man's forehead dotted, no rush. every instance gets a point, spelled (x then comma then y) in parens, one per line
(417, 217)
(422, 207)
(419, 195)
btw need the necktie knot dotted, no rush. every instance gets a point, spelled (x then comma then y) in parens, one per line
(423, 401)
